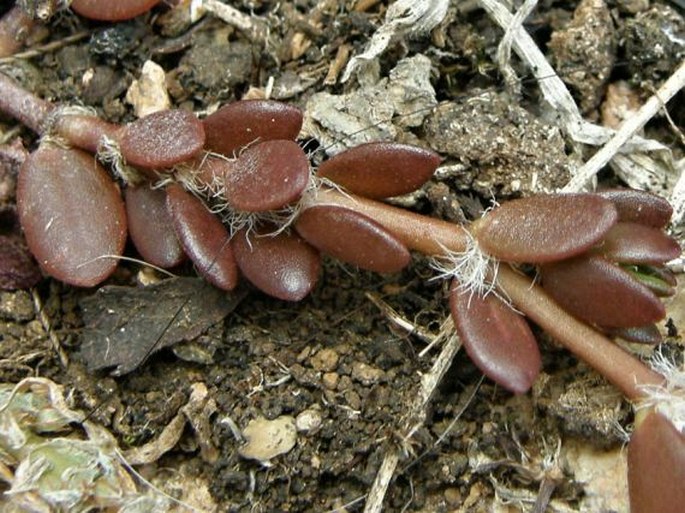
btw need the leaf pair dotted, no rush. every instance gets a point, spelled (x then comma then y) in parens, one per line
(577, 240)
(168, 224)
(281, 265)
(597, 286)
(374, 170)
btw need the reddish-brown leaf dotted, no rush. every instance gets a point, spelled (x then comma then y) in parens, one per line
(203, 237)
(353, 238)
(496, 338)
(238, 124)
(542, 229)
(162, 139)
(267, 176)
(599, 292)
(656, 466)
(72, 215)
(381, 169)
(648, 334)
(633, 243)
(639, 207)
(108, 10)
(284, 266)
(151, 227)
(18, 269)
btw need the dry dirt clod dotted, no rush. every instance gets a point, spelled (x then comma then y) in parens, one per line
(584, 51)
(506, 149)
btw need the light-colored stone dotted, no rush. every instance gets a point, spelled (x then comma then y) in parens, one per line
(267, 439)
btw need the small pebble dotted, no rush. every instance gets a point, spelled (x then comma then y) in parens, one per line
(267, 439)
(330, 380)
(309, 420)
(366, 374)
(325, 360)
(16, 306)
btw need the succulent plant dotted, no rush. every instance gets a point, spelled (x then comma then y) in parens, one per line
(255, 208)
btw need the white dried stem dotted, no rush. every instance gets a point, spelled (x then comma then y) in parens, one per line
(553, 89)
(629, 127)
(504, 48)
(429, 383)
(677, 199)
(254, 27)
(403, 18)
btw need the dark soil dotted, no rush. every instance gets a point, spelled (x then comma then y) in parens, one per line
(334, 361)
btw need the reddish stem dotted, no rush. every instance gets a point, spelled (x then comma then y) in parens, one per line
(80, 130)
(619, 367)
(17, 102)
(436, 237)
(420, 233)
(85, 132)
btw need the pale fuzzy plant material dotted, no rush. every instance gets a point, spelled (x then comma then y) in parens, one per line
(109, 154)
(473, 269)
(403, 18)
(50, 124)
(52, 469)
(669, 398)
(213, 191)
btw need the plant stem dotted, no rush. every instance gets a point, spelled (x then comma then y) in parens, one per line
(420, 233)
(436, 237)
(618, 366)
(82, 131)
(27, 108)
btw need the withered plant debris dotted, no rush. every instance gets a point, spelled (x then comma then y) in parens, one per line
(124, 325)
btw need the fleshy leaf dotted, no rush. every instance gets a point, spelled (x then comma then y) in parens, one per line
(648, 334)
(542, 229)
(267, 176)
(381, 169)
(238, 124)
(599, 292)
(639, 207)
(633, 243)
(203, 237)
(496, 338)
(353, 238)
(107, 10)
(162, 139)
(72, 215)
(283, 265)
(656, 279)
(656, 466)
(151, 228)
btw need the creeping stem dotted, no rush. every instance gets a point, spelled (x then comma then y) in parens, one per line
(22, 105)
(619, 367)
(435, 237)
(420, 233)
